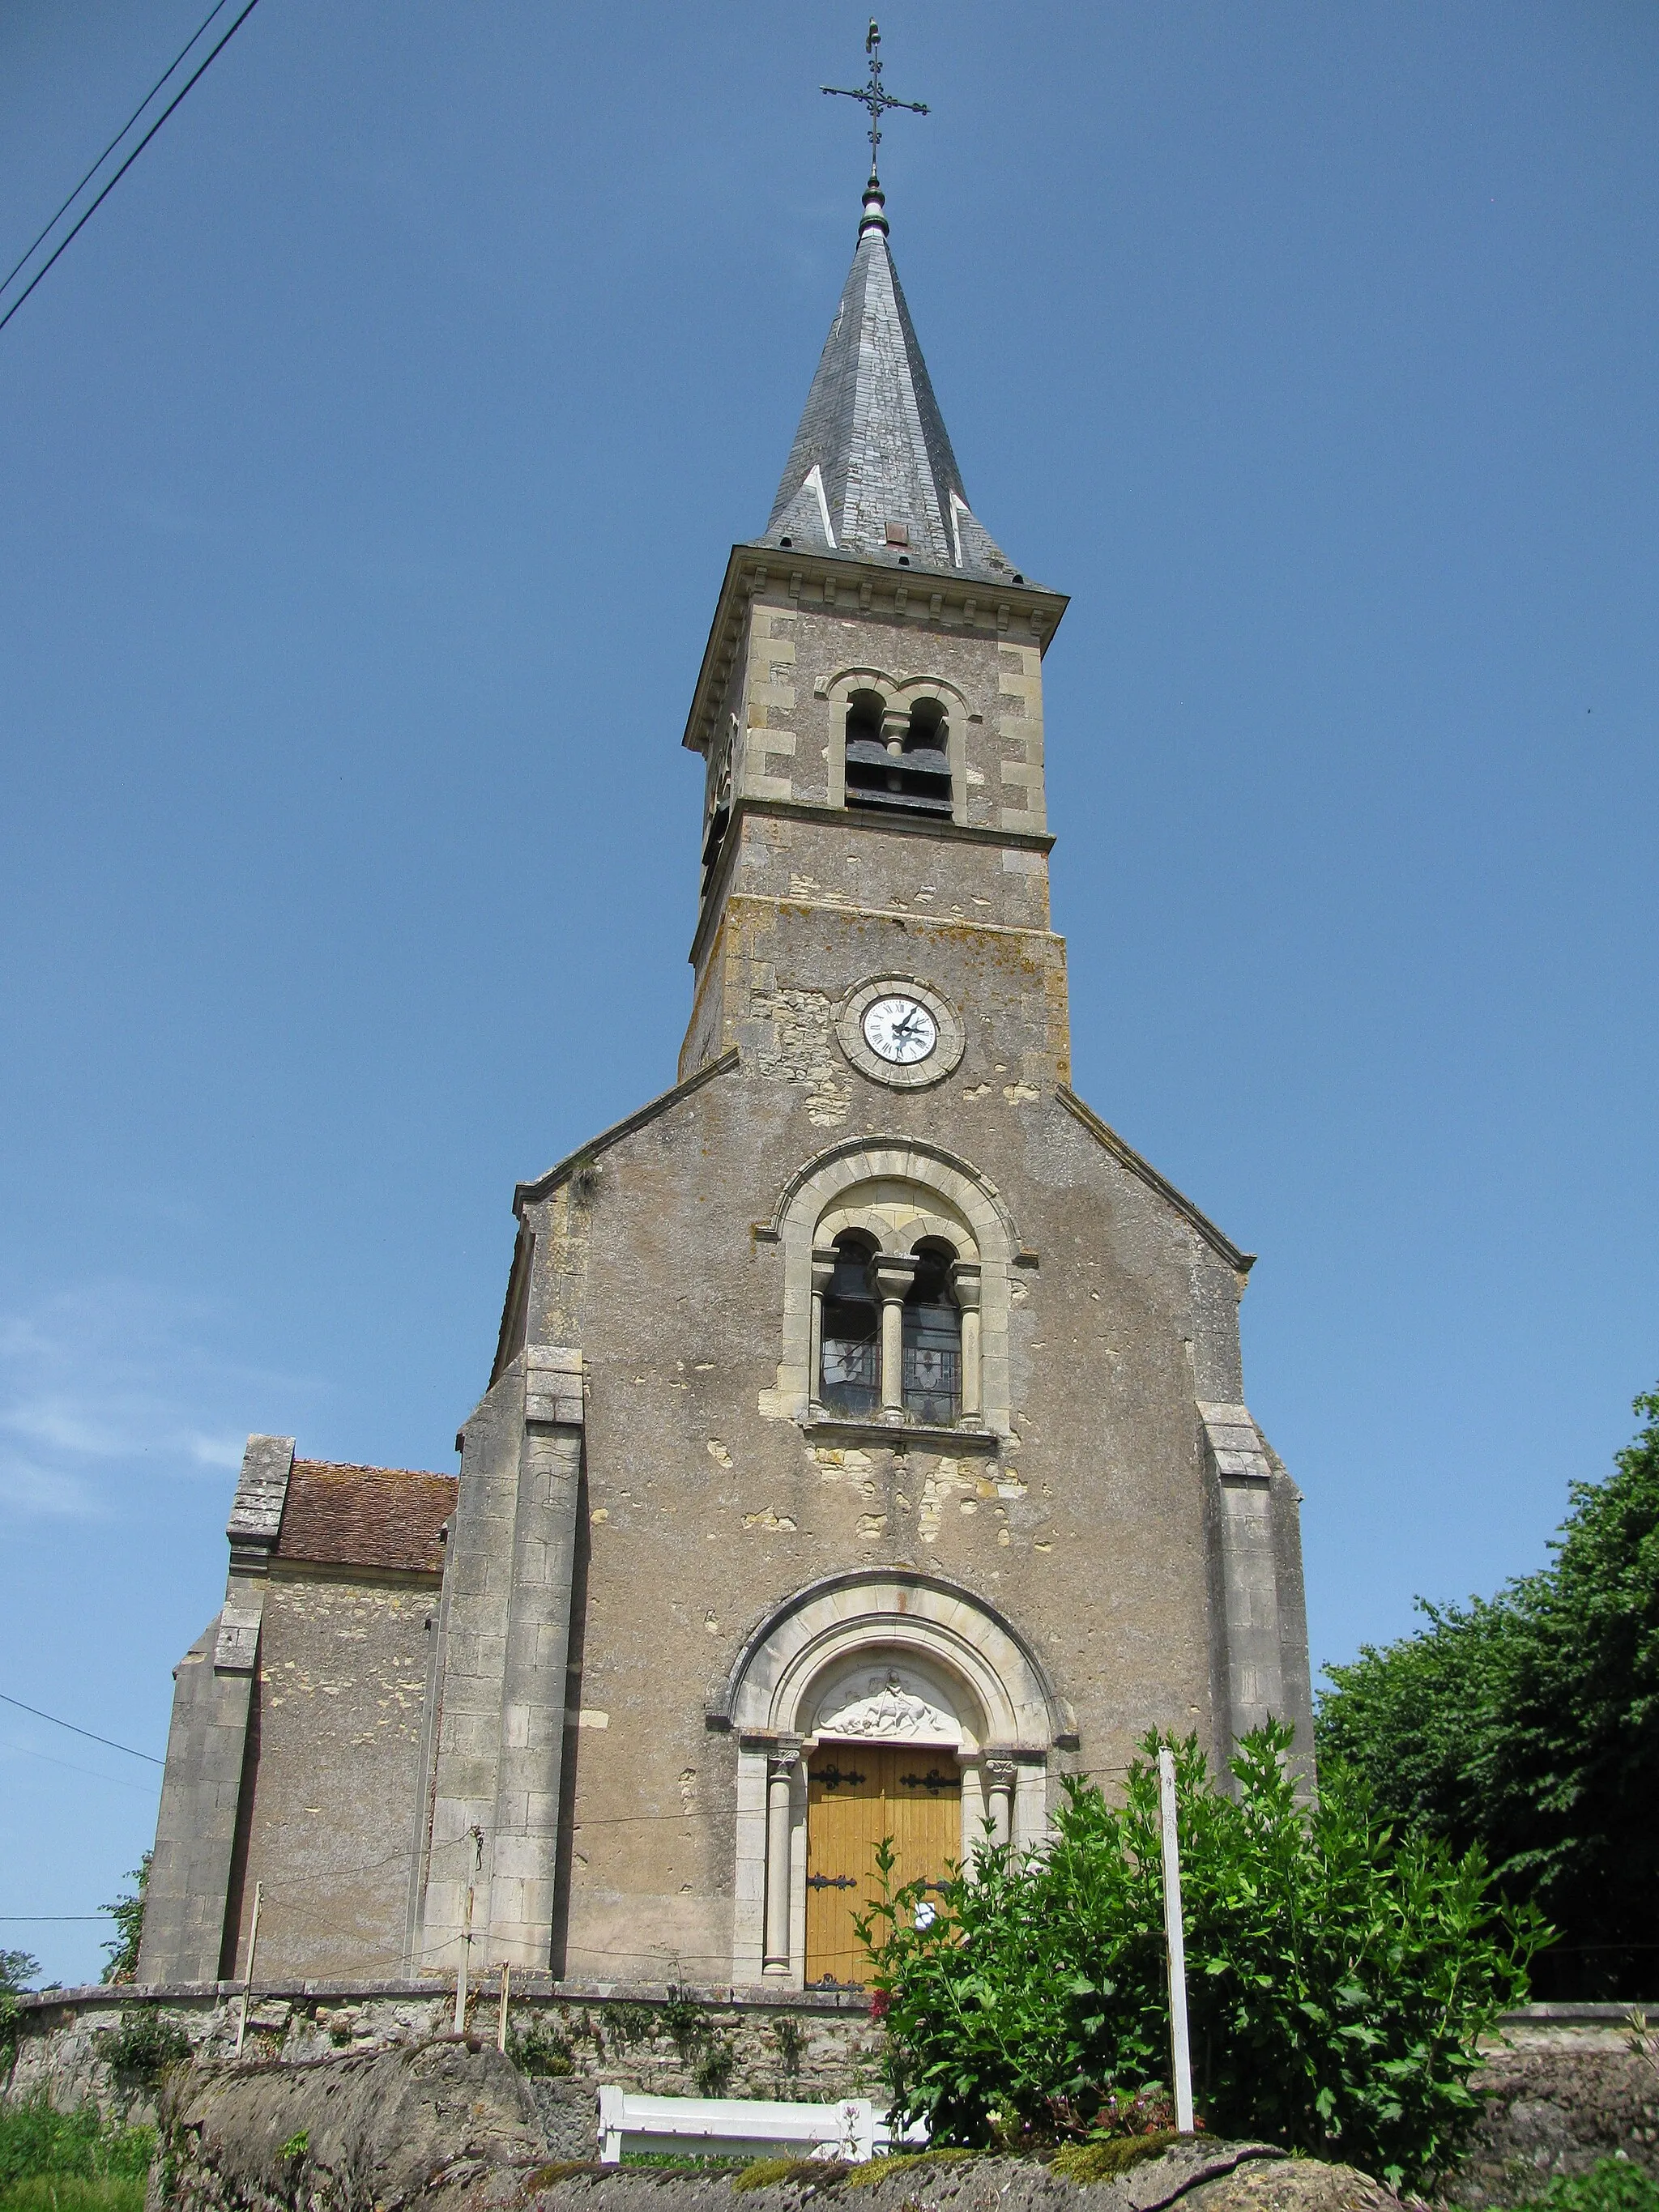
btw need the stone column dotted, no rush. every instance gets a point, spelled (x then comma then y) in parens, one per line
(894, 1276)
(780, 1767)
(1000, 1775)
(895, 728)
(966, 1282)
(823, 1266)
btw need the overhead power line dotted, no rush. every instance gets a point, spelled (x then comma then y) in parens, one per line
(45, 233)
(108, 1742)
(68, 1766)
(79, 225)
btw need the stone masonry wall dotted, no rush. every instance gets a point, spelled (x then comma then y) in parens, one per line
(802, 2048)
(1559, 2094)
(342, 1668)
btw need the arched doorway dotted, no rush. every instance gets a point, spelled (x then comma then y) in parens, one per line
(929, 1696)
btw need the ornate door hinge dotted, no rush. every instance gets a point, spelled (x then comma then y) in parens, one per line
(832, 1778)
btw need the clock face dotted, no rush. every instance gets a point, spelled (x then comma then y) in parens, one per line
(900, 1031)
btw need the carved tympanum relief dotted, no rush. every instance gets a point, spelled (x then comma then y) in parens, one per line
(885, 1708)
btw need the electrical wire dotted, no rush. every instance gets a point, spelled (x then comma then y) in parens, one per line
(108, 1742)
(82, 223)
(29, 249)
(69, 1767)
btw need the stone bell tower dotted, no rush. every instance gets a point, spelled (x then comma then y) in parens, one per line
(869, 710)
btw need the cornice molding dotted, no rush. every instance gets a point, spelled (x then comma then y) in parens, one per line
(879, 590)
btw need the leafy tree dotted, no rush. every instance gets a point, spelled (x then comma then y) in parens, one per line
(128, 1914)
(17, 1970)
(1337, 1982)
(1530, 1725)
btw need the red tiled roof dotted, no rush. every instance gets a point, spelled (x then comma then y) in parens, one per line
(366, 1516)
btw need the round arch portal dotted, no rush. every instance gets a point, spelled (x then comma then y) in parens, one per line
(876, 1658)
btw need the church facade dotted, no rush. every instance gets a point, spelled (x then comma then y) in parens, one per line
(865, 1447)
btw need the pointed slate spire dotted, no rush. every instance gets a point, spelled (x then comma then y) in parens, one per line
(871, 473)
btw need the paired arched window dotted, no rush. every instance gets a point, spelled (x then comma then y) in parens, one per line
(891, 1331)
(897, 756)
(896, 1288)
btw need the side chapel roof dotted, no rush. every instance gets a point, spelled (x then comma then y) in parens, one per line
(366, 1516)
(872, 473)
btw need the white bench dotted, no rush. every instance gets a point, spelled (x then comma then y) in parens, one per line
(852, 2129)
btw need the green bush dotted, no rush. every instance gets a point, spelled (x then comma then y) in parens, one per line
(631, 2023)
(716, 2064)
(17, 1970)
(539, 2050)
(1337, 1982)
(37, 2143)
(144, 2047)
(1613, 2184)
(121, 1953)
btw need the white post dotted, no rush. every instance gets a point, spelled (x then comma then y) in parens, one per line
(247, 1985)
(460, 1970)
(611, 2101)
(1175, 1940)
(501, 2025)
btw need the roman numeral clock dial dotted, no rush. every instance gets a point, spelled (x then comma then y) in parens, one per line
(900, 1031)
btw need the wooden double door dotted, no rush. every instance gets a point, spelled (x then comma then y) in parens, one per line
(856, 1795)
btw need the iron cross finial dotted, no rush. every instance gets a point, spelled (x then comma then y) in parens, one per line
(874, 95)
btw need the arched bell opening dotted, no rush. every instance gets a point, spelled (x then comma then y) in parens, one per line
(849, 1364)
(930, 1335)
(897, 756)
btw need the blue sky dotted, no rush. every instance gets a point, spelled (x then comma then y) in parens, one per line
(370, 462)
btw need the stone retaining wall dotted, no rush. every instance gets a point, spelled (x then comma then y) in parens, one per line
(440, 2127)
(1562, 2086)
(675, 2042)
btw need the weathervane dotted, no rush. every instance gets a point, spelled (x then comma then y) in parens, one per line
(873, 95)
